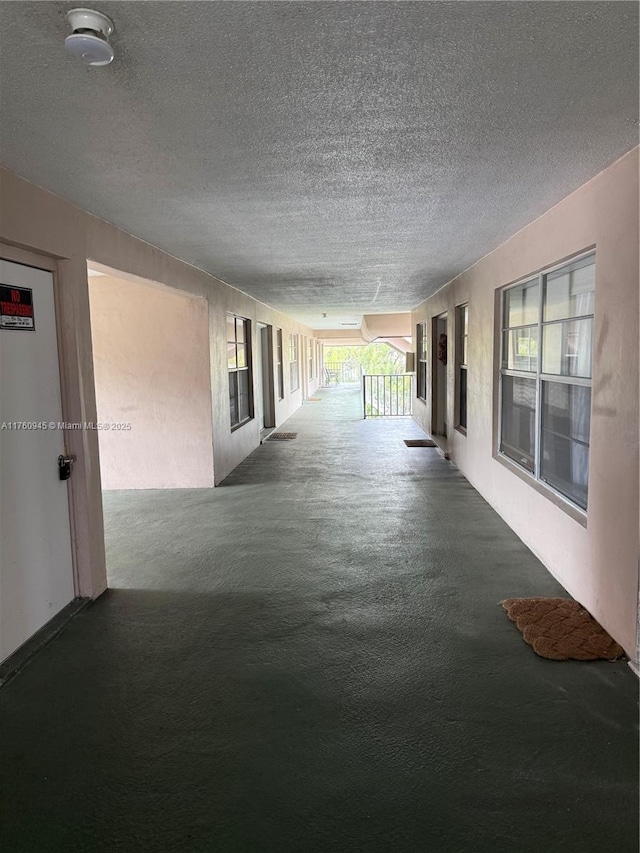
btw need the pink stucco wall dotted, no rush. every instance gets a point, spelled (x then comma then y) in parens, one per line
(596, 559)
(151, 362)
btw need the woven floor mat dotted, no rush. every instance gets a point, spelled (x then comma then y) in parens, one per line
(282, 436)
(561, 629)
(420, 442)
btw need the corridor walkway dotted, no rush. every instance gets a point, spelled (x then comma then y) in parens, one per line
(312, 659)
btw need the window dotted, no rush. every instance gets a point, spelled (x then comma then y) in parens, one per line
(294, 379)
(547, 346)
(279, 364)
(421, 339)
(310, 356)
(239, 361)
(463, 334)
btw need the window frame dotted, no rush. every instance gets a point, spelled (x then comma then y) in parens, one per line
(248, 368)
(421, 363)
(462, 346)
(294, 356)
(538, 376)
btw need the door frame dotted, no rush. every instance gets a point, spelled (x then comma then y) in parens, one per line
(43, 262)
(439, 374)
(265, 336)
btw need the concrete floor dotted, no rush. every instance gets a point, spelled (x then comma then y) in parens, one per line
(312, 658)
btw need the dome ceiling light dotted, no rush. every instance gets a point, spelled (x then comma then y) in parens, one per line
(89, 40)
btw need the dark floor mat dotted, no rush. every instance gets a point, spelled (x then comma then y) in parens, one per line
(420, 442)
(282, 436)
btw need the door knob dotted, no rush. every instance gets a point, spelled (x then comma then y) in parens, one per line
(65, 464)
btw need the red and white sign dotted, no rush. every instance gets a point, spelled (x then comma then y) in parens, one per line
(16, 308)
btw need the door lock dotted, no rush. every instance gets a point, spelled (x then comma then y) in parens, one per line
(65, 464)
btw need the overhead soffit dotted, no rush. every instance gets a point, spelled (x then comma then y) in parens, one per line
(344, 158)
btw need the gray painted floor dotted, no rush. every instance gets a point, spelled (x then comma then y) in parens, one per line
(312, 658)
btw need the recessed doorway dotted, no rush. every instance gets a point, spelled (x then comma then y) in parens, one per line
(265, 407)
(439, 388)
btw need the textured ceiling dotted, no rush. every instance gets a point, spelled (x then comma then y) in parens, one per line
(334, 157)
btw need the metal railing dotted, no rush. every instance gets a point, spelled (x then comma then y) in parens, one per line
(385, 396)
(342, 373)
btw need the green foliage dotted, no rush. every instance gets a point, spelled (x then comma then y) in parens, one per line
(374, 358)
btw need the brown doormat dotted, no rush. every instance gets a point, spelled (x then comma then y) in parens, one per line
(419, 442)
(282, 436)
(314, 399)
(560, 629)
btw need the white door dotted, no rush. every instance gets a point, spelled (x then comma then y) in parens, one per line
(36, 574)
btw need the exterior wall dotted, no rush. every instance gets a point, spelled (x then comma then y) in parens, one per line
(33, 219)
(375, 326)
(151, 363)
(230, 448)
(596, 562)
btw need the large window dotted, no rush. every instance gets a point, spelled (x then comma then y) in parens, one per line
(310, 356)
(294, 376)
(279, 364)
(547, 345)
(421, 341)
(239, 366)
(463, 335)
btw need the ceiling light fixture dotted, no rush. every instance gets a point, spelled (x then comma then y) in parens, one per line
(89, 40)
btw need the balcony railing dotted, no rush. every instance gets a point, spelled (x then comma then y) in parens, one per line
(342, 373)
(386, 396)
